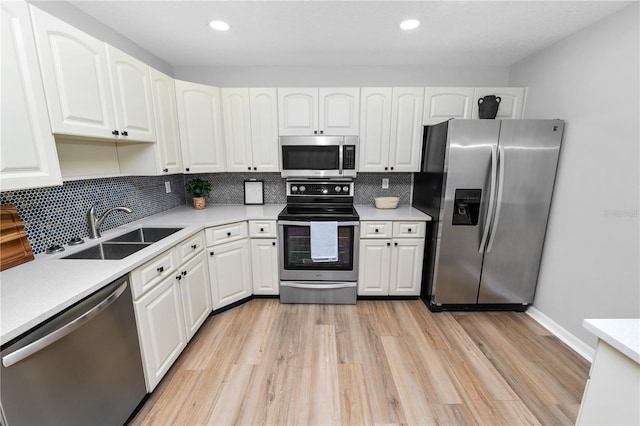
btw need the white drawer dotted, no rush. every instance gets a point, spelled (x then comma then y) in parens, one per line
(226, 233)
(262, 228)
(409, 229)
(151, 273)
(370, 229)
(190, 247)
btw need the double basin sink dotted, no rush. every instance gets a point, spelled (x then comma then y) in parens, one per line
(124, 245)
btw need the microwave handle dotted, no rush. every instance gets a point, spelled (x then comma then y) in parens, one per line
(340, 157)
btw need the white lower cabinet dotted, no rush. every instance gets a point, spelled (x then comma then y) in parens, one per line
(196, 293)
(170, 304)
(391, 256)
(264, 257)
(160, 329)
(229, 264)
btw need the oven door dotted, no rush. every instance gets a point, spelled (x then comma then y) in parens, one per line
(295, 253)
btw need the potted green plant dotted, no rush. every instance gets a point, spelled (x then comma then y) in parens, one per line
(199, 188)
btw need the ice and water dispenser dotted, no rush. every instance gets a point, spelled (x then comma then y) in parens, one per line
(466, 207)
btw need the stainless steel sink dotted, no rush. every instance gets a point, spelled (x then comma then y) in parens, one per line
(108, 251)
(144, 235)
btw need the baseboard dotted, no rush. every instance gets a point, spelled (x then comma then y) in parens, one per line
(584, 350)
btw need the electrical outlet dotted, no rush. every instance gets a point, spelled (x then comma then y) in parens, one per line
(385, 183)
(167, 186)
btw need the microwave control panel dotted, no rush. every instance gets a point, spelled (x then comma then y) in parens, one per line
(349, 157)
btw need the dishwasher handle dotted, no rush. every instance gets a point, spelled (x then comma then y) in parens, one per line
(30, 349)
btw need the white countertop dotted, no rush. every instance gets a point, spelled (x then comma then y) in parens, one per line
(623, 334)
(400, 213)
(35, 291)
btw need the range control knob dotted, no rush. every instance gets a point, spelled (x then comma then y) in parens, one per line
(345, 188)
(337, 189)
(302, 188)
(294, 188)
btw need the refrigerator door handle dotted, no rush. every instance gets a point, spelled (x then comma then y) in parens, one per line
(492, 194)
(499, 202)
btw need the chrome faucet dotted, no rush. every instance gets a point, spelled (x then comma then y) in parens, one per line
(94, 223)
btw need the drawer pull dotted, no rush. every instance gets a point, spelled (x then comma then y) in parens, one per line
(211, 254)
(409, 229)
(273, 243)
(395, 244)
(195, 246)
(184, 273)
(228, 234)
(179, 277)
(160, 269)
(388, 244)
(261, 229)
(376, 229)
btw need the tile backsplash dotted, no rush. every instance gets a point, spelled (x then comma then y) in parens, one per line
(54, 215)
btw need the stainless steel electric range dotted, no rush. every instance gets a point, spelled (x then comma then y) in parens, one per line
(319, 216)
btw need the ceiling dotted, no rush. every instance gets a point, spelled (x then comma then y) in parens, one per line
(302, 33)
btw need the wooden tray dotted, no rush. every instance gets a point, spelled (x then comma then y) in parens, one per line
(14, 246)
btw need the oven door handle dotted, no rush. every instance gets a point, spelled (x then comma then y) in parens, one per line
(327, 286)
(308, 223)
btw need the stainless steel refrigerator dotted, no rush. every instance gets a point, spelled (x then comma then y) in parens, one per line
(487, 185)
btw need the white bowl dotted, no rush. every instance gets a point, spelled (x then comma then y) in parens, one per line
(386, 202)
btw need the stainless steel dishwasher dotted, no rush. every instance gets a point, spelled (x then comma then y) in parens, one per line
(83, 367)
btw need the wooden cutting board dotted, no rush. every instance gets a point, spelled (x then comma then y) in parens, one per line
(14, 246)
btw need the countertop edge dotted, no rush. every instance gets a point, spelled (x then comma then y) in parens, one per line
(623, 334)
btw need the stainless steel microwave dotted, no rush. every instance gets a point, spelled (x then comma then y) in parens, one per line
(318, 156)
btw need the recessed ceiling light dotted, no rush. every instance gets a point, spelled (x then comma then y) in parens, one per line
(410, 24)
(219, 25)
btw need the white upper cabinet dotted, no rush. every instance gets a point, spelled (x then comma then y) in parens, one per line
(375, 128)
(444, 103)
(325, 111)
(406, 129)
(250, 129)
(132, 96)
(511, 100)
(391, 129)
(264, 129)
(75, 74)
(28, 155)
(199, 119)
(166, 115)
(339, 111)
(92, 89)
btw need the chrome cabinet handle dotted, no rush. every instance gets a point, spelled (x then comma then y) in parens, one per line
(26, 351)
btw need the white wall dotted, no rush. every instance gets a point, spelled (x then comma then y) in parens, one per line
(341, 76)
(590, 262)
(74, 16)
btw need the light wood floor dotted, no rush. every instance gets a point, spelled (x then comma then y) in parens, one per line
(377, 362)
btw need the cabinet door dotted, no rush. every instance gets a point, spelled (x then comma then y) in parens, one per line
(511, 100)
(166, 115)
(264, 129)
(298, 111)
(406, 267)
(237, 129)
(28, 152)
(196, 293)
(443, 103)
(200, 127)
(339, 111)
(161, 329)
(76, 78)
(230, 272)
(264, 261)
(132, 96)
(374, 267)
(375, 128)
(406, 129)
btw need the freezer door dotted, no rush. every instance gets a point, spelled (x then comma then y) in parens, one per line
(472, 144)
(528, 157)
